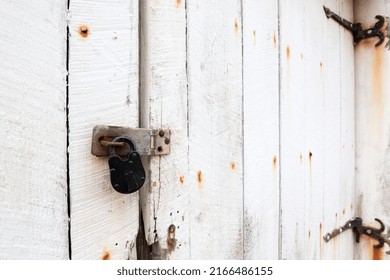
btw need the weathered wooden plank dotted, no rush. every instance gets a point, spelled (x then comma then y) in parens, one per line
(315, 123)
(103, 89)
(165, 198)
(313, 127)
(332, 130)
(204, 175)
(215, 129)
(347, 103)
(33, 184)
(261, 129)
(372, 127)
(292, 117)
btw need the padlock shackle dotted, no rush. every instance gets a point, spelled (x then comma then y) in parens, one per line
(125, 139)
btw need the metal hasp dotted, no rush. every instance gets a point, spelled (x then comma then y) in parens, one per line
(356, 224)
(149, 142)
(356, 28)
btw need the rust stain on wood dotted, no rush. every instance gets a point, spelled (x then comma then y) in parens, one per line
(235, 25)
(154, 184)
(200, 178)
(233, 166)
(178, 2)
(171, 240)
(288, 52)
(344, 211)
(275, 40)
(376, 254)
(181, 180)
(275, 162)
(309, 234)
(351, 207)
(378, 75)
(106, 255)
(300, 158)
(321, 65)
(84, 31)
(254, 37)
(310, 163)
(302, 56)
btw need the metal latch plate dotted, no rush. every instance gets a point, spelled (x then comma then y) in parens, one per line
(148, 142)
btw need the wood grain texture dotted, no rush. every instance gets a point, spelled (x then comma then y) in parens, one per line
(372, 127)
(198, 187)
(261, 129)
(315, 123)
(33, 187)
(347, 109)
(103, 89)
(165, 198)
(215, 129)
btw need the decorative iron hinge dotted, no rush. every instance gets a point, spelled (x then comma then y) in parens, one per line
(149, 142)
(356, 224)
(357, 29)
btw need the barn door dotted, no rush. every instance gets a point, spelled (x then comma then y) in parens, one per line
(260, 98)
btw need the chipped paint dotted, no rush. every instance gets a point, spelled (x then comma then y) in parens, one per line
(181, 179)
(171, 240)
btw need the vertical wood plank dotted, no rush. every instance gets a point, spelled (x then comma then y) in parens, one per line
(315, 124)
(198, 187)
(103, 89)
(33, 184)
(261, 129)
(372, 127)
(347, 107)
(165, 198)
(332, 130)
(215, 129)
(293, 150)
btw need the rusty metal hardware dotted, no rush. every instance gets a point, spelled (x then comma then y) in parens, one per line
(356, 224)
(149, 142)
(357, 29)
(128, 174)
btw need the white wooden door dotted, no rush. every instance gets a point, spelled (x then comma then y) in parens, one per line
(260, 97)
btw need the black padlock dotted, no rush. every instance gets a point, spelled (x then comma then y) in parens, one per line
(128, 174)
